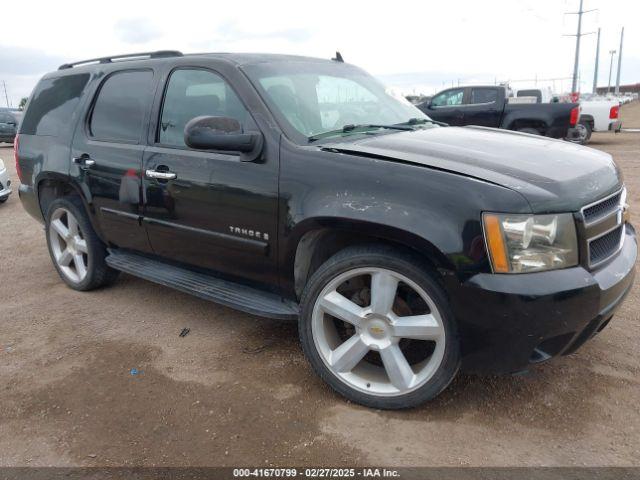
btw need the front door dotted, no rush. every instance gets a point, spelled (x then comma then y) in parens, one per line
(447, 107)
(211, 210)
(107, 155)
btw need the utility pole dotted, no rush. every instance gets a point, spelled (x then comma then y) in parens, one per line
(6, 97)
(617, 91)
(612, 53)
(580, 12)
(595, 72)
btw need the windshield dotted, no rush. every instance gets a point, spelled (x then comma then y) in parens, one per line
(311, 98)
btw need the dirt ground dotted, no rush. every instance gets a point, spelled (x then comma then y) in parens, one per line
(237, 390)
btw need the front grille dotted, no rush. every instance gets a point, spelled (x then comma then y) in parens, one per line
(605, 246)
(601, 209)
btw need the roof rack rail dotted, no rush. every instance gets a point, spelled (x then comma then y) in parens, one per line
(128, 56)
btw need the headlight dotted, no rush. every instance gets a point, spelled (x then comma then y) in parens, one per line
(530, 243)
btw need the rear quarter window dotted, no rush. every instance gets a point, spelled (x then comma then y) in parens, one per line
(121, 106)
(52, 105)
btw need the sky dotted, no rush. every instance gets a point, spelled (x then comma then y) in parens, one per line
(415, 46)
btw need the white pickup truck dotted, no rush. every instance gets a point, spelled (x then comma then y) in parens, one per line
(600, 116)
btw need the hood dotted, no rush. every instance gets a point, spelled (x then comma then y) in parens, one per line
(553, 175)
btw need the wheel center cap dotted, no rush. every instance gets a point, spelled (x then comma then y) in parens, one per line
(376, 331)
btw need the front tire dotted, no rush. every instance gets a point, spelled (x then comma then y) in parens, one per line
(75, 249)
(377, 327)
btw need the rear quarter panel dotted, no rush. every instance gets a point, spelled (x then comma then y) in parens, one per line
(555, 116)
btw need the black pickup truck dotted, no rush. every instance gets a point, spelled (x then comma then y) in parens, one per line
(489, 106)
(297, 188)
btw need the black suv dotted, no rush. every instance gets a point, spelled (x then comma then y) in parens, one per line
(298, 188)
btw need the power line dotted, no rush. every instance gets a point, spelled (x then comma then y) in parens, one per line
(578, 35)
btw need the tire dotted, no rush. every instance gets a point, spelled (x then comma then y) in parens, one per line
(375, 337)
(531, 130)
(68, 250)
(589, 128)
(4, 199)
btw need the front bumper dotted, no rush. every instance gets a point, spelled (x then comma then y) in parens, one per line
(509, 322)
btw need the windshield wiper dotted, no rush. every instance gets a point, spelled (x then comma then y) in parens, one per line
(422, 121)
(357, 128)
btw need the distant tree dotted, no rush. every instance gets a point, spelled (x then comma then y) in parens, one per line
(23, 103)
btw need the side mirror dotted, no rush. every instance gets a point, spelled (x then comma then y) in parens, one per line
(223, 133)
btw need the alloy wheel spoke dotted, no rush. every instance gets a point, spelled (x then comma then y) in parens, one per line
(61, 229)
(81, 269)
(398, 369)
(64, 259)
(420, 327)
(383, 292)
(348, 354)
(73, 224)
(342, 308)
(81, 245)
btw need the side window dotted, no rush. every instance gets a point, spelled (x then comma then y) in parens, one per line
(448, 98)
(192, 93)
(53, 104)
(119, 111)
(483, 95)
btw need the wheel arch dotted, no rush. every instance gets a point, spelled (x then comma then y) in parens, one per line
(52, 185)
(316, 240)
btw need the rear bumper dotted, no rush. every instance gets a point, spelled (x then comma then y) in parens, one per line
(509, 322)
(30, 202)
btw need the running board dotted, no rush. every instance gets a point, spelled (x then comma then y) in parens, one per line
(230, 294)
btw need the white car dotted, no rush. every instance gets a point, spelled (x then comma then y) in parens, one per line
(600, 116)
(5, 183)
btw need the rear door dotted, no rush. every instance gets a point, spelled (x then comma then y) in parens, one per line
(107, 155)
(447, 107)
(216, 212)
(482, 107)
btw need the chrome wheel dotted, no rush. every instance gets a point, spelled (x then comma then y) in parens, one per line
(378, 332)
(68, 245)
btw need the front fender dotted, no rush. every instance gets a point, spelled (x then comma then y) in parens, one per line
(435, 212)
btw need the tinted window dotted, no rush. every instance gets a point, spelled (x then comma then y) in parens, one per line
(122, 103)
(5, 118)
(448, 98)
(483, 95)
(53, 104)
(192, 93)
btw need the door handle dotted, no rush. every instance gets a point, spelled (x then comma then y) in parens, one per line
(161, 175)
(84, 160)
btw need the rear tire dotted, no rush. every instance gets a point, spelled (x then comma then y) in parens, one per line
(589, 128)
(75, 249)
(367, 349)
(4, 199)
